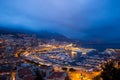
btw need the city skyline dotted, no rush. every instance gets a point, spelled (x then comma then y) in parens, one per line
(59, 39)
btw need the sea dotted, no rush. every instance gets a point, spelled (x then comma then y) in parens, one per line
(101, 47)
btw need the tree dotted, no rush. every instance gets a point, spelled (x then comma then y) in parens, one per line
(72, 70)
(110, 72)
(38, 75)
(65, 69)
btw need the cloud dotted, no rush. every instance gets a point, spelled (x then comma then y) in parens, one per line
(82, 19)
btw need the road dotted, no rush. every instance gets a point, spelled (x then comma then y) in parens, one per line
(13, 75)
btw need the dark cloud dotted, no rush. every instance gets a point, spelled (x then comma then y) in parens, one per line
(82, 19)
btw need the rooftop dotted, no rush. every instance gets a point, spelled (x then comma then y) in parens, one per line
(57, 75)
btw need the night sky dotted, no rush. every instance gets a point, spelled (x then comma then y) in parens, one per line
(80, 19)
